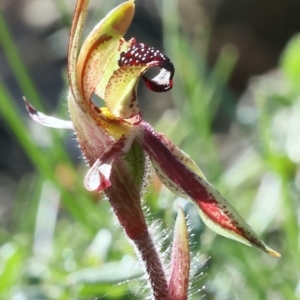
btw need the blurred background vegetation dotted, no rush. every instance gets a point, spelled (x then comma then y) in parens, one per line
(235, 108)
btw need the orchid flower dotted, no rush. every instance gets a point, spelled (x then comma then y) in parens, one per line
(118, 144)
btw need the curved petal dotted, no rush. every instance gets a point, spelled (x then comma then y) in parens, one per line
(84, 73)
(75, 36)
(120, 91)
(99, 53)
(214, 210)
(97, 177)
(47, 120)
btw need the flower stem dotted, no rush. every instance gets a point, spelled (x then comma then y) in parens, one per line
(124, 197)
(153, 266)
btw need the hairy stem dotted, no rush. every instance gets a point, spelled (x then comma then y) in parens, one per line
(124, 197)
(153, 266)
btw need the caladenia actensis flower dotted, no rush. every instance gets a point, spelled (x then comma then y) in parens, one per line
(118, 144)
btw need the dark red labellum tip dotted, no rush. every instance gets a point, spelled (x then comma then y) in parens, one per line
(140, 54)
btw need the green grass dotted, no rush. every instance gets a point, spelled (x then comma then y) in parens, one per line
(70, 256)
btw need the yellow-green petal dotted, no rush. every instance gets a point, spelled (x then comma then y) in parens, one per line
(96, 62)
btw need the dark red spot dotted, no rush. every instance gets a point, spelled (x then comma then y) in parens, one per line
(97, 109)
